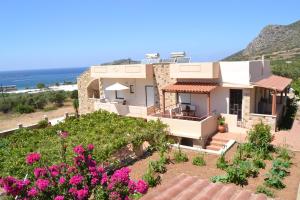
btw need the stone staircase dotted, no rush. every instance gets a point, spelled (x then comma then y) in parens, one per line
(216, 143)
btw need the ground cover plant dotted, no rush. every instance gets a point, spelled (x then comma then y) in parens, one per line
(83, 179)
(107, 131)
(199, 160)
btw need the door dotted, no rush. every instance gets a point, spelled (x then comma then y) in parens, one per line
(235, 102)
(149, 95)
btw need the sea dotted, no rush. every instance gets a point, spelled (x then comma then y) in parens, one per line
(25, 79)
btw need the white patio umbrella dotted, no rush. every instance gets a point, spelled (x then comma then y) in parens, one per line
(117, 86)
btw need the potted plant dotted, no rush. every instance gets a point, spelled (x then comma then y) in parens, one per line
(221, 124)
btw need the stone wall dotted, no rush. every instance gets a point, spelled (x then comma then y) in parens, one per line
(266, 119)
(161, 78)
(86, 104)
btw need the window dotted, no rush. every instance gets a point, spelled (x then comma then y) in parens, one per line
(119, 95)
(131, 87)
(184, 98)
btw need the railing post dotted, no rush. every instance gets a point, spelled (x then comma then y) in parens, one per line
(46, 118)
(20, 125)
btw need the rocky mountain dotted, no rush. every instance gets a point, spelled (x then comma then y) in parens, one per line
(275, 42)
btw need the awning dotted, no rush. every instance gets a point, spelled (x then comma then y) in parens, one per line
(117, 86)
(274, 82)
(191, 87)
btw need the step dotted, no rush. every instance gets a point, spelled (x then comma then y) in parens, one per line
(213, 147)
(218, 138)
(217, 143)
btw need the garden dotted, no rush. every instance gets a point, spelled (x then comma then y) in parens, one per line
(90, 157)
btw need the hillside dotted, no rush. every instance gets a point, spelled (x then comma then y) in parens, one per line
(122, 61)
(276, 42)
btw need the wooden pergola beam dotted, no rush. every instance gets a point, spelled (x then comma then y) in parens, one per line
(208, 104)
(274, 97)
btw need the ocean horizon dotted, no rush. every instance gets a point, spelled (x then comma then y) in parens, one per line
(30, 78)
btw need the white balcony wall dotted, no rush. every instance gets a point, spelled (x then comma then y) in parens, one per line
(141, 71)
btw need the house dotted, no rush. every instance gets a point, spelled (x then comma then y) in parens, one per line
(188, 96)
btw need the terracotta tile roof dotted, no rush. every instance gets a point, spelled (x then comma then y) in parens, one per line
(191, 87)
(184, 187)
(274, 82)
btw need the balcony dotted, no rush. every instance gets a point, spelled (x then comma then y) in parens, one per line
(208, 70)
(142, 71)
(124, 110)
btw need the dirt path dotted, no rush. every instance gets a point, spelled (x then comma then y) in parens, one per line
(9, 121)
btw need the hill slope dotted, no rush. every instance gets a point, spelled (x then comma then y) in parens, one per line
(276, 42)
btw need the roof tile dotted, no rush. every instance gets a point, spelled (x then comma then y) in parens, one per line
(274, 82)
(191, 87)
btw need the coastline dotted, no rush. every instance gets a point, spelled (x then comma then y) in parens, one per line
(50, 88)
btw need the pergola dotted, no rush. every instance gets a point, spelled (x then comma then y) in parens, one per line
(190, 87)
(277, 84)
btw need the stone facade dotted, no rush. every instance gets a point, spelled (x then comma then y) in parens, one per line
(161, 79)
(266, 119)
(86, 104)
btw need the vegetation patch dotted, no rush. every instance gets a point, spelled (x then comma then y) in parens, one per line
(107, 131)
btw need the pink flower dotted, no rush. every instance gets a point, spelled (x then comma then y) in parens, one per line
(32, 192)
(42, 184)
(32, 158)
(75, 180)
(94, 181)
(131, 186)
(73, 191)
(54, 170)
(142, 187)
(104, 179)
(61, 180)
(79, 150)
(82, 194)
(13, 186)
(115, 196)
(59, 197)
(63, 134)
(90, 147)
(39, 172)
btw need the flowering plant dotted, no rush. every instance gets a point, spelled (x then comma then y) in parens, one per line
(76, 181)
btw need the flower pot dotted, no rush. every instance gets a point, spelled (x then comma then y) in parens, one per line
(221, 128)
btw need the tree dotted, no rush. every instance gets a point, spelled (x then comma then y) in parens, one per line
(76, 106)
(58, 98)
(40, 85)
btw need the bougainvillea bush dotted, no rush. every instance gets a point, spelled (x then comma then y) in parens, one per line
(107, 131)
(76, 181)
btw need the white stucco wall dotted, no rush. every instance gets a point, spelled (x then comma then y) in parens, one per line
(259, 70)
(244, 72)
(235, 72)
(220, 100)
(137, 98)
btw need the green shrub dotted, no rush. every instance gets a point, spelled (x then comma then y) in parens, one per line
(49, 108)
(180, 156)
(259, 163)
(199, 160)
(274, 181)
(42, 124)
(40, 85)
(58, 98)
(24, 109)
(5, 107)
(260, 138)
(221, 162)
(236, 175)
(264, 190)
(158, 166)
(151, 178)
(279, 168)
(220, 178)
(284, 153)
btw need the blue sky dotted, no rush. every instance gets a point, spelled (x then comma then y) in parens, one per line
(75, 33)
